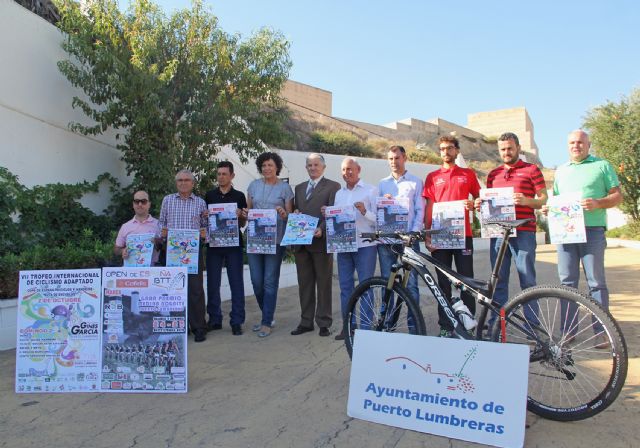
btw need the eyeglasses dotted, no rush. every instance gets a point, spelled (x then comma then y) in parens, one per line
(447, 148)
(140, 201)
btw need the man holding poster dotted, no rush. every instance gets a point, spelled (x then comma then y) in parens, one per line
(597, 182)
(452, 183)
(362, 196)
(141, 224)
(186, 211)
(227, 255)
(530, 193)
(404, 186)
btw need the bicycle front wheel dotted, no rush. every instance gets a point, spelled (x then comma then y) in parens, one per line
(368, 310)
(578, 356)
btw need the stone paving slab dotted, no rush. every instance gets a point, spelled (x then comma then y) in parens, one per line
(287, 391)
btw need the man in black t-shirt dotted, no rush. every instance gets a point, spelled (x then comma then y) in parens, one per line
(219, 254)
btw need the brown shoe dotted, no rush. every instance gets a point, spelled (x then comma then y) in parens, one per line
(340, 337)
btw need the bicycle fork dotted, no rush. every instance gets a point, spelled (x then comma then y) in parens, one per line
(387, 300)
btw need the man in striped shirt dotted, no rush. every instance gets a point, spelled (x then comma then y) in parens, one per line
(529, 193)
(185, 210)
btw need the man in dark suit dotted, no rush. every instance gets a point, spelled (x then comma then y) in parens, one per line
(313, 263)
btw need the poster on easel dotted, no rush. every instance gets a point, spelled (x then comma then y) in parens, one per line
(144, 330)
(58, 337)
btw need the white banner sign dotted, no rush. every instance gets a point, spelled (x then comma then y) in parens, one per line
(468, 390)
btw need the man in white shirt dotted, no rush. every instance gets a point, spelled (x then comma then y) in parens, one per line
(402, 184)
(363, 198)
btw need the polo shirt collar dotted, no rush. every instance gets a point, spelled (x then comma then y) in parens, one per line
(191, 196)
(148, 219)
(588, 159)
(358, 184)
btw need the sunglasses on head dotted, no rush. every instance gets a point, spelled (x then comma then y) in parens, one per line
(140, 201)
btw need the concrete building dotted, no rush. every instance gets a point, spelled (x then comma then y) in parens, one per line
(299, 95)
(496, 122)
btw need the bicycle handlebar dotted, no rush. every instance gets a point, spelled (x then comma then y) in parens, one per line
(406, 237)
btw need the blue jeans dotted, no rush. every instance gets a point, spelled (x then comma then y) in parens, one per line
(265, 278)
(231, 257)
(591, 254)
(522, 249)
(387, 257)
(363, 262)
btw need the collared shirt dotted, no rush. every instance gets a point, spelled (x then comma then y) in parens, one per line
(406, 186)
(594, 178)
(452, 184)
(182, 213)
(135, 227)
(525, 178)
(367, 194)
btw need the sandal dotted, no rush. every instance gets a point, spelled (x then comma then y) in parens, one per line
(264, 332)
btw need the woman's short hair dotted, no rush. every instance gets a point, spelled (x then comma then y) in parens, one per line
(269, 156)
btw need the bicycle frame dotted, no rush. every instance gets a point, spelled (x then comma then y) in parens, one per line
(410, 259)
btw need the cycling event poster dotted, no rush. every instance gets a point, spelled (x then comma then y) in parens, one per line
(58, 337)
(144, 330)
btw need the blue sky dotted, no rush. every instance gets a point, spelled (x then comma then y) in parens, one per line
(389, 60)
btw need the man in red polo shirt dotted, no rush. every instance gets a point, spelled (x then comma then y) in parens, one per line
(452, 183)
(529, 193)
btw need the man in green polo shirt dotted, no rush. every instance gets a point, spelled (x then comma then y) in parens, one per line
(596, 180)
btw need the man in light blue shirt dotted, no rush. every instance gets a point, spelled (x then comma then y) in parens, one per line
(402, 184)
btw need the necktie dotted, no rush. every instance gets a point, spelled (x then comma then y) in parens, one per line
(310, 188)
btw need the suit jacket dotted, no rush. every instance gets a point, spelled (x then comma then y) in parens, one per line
(323, 194)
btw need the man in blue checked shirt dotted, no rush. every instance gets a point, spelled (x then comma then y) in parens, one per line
(402, 184)
(185, 210)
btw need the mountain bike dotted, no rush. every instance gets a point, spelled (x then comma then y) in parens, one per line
(578, 355)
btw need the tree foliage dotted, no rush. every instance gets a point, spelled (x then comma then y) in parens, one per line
(175, 88)
(615, 132)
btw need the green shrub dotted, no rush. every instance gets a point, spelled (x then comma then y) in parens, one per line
(630, 231)
(85, 252)
(341, 143)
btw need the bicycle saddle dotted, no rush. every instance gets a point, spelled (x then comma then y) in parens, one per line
(508, 224)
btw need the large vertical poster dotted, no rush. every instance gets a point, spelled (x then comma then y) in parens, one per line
(144, 330)
(58, 336)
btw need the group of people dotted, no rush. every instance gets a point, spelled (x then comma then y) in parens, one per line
(593, 177)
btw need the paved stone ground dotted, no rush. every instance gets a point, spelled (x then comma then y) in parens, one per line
(288, 391)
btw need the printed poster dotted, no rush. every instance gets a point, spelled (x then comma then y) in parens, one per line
(341, 229)
(299, 230)
(183, 247)
(566, 219)
(441, 386)
(448, 217)
(223, 225)
(58, 337)
(497, 205)
(262, 231)
(392, 214)
(144, 330)
(140, 250)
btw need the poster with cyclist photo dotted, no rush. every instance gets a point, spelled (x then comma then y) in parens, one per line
(497, 205)
(223, 225)
(144, 330)
(448, 217)
(341, 229)
(58, 337)
(392, 214)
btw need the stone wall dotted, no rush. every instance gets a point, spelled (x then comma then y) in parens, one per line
(496, 122)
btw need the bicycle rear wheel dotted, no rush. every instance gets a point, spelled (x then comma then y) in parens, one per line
(578, 356)
(367, 311)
